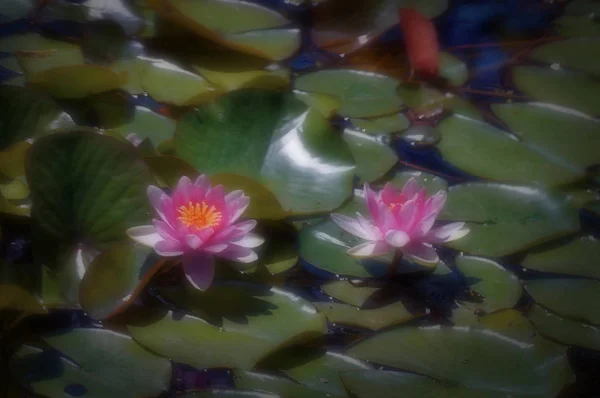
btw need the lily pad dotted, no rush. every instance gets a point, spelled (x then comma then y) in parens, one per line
(582, 7)
(565, 135)
(453, 69)
(361, 94)
(115, 278)
(505, 219)
(14, 297)
(227, 393)
(11, 10)
(68, 53)
(580, 256)
(69, 269)
(373, 157)
(382, 125)
(577, 26)
(149, 125)
(274, 384)
(75, 192)
(273, 138)
(347, 292)
(565, 88)
(372, 319)
(424, 99)
(102, 362)
(498, 287)
(485, 151)
(573, 53)
(229, 81)
(27, 114)
(572, 298)
(564, 330)
(474, 358)
(14, 190)
(254, 322)
(12, 160)
(327, 105)
(432, 184)
(388, 384)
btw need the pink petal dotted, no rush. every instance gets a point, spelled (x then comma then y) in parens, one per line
(389, 194)
(155, 195)
(199, 269)
(410, 188)
(233, 232)
(168, 211)
(421, 253)
(423, 226)
(435, 203)
(233, 195)
(182, 193)
(239, 254)
(193, 241)
(216, 196)
(237, 207)
(369, 227)
(407, 216)
(447, 233)
(165, 230)
(145, 235)
(387, 220)
(397, 238)
(168, 248)
(218, 248)
(372, 203)
(351, 225)
(202, 182)
(369, 249)
(250, 241)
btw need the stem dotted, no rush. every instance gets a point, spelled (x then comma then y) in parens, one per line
(393, 268)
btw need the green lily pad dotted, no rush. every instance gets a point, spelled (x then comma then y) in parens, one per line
(361, 94)
(580, 256)
(373, 157)
(218, 392)
(135, 68)
(486, 151)
(500, 288)
(432, 184)
(565, 88)
(571, 26)
(235, 80)
(571, 298)
(254, 322)
(273, 138)
(473, 358)
(594, 207)
(27, 114)
(347, 292)
(115, 278)
(327, 105)
(14, 297)
(561, 133)
(33, 42)
(453, 69)
(573, 53)
(274, 384)
(388, 384)
(69, 269)
(564, 330)
(104, 362)
(14, 190)
(74, 190)
(11, 10)
(505, 219)
(582, 7)
(275, 44)
(149, 125)
(373, 319)
(382, 125)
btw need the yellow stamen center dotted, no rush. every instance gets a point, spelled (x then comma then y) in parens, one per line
(199, 215)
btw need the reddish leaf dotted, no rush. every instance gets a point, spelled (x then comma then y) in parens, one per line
(422, 45)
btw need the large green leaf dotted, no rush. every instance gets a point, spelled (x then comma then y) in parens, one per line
(580, 256)
(571, 298)
(498, 287)
(271, 137)
(254, 321)
(26, 114)
(388, 384)
(274, 384)
(567, 136)
(227, 393)
(361, 94)
(564, 330)
(87, 186)
(373, 156)
(100, 362)
(577, 26)
(383, 124)
(346, 291)
(424, 99)
(14, 297)
(474, 358)
(486, 151)
(573, 53)
(149, 125)
(504, 219)
(15, 9)
(569, 89)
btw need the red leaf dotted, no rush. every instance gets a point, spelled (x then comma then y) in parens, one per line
(422, 44)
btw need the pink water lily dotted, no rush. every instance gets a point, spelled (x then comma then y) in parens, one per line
(199, 222)
(401, 221)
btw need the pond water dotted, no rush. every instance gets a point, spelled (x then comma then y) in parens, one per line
(298, 103)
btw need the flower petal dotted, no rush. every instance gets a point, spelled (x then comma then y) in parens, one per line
(165, 230)
(193, 241)
(199, 269)
(168, 248)
(239, 254)
(155, 195)
(202, 181)
(237, 207)
(372, 203)
(435, 203)
(233, 195)
(387, 220)
(407, 215)
(447, 233)
(369, 227)
(421, 253)
(181, 195)
(145, 234)
(369, 249)
(351, 225)
(397, 238)
(250, 241)
(410, 188)
(423, 226)
(389, 194)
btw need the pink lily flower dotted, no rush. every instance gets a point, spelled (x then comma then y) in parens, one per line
(401, 221)
(199, 222)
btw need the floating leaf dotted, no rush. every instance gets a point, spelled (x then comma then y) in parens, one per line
(25, 114)
(69, 269)
(474, 358)
(274, 384)
(580, 256)
(229, 394)
(70, 54)
(14, 190)
(230, 81)
(373, 157)
(564, 330)
(14, 297)
(499, 288)
(169, 169)
(77, 81)
(327, 105)
(432, 184)
(571, 298)
(345, 291)
(270, 137)
(100, 362)
(565, 88)
(382, 125)
(361, 94)
(504, 219)
(424, 100)
(275, 44)
(11, 10)
(486, 151)
(373, 319)
(582, 7)
(453, 69)
(561, 133)
(255, 322)
(149, 125)
(115, 278)
(577, 26)
(574, 53)
(87, 186)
